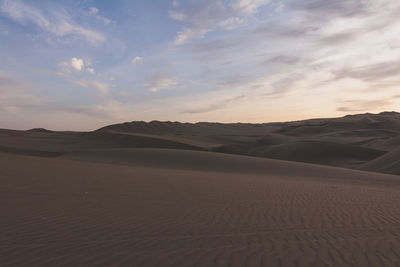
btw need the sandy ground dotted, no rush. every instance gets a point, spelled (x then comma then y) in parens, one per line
(242, 212)
(206, 194)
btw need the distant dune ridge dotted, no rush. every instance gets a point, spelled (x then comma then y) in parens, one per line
(317, 192)
(363, 141)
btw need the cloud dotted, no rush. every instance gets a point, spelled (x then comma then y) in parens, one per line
(159, 82)
(77, 65)
(16, 94)
(285, 83)
(319, 48)
(232, 23)
(178, 16)
(282, 60)
(6, 81)
(22, 106)
(214, 47)
(59, 24)
(214, 106)
(236, 80)
(187, 34)
(107, 109)
(362, 105)
(137, 60)
(207, 16)
(94, 12)
(310, 51)
(371, 72)
(90, 70)
(321, 8)
(248, 6)
(101, 87)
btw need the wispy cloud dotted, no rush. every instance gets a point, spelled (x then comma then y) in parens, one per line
(159, 82)
(248, 6)
(94, 12)
(21, 104)
(214, 106)
(7, 81)
(103, 88)
(90, 70)
(16, 94)
(371, 72)
(282, 60)
(136, 60)
(235, 80)
(362, 105)
(56, 23)
(208, 16)
(185, 35)
(232, 23)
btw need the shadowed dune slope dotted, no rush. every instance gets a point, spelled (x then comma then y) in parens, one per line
(178, 128)
(48, 143)
(248, 212)
(370, 138)
(318, 152)
(38, 142)
(384, 120)
(212, 162)
(388, 163)
(120, 140)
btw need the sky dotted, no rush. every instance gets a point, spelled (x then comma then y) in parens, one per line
(83, 64)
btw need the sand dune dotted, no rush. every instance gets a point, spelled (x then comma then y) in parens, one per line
(318, 152)
(116, 140)
(388, 163)
(208, 161)
(160, 194)
(177, 128)
(73, 213)
(377, 139)
(384, 120)
(274, 139)
(350, 142)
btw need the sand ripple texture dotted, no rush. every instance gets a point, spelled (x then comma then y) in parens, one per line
(57, 212)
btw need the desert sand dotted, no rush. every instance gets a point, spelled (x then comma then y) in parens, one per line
(161, 194)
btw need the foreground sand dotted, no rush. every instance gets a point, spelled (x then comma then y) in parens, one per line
(244, 212)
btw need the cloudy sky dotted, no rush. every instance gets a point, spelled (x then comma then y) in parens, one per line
(84, 64)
